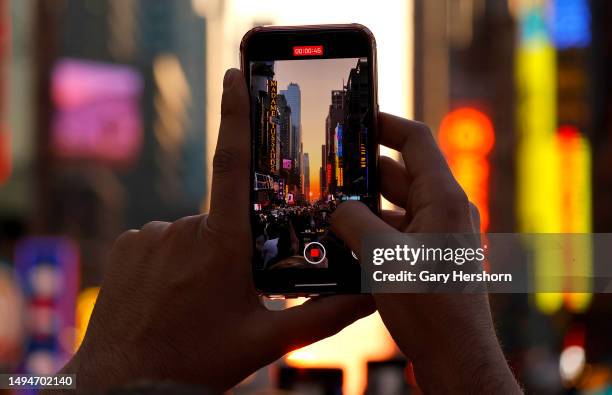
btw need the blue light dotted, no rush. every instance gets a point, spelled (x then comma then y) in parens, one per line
(533, 27)
(570, 24)
(339, 137)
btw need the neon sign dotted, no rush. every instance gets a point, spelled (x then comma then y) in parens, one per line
(273, 111)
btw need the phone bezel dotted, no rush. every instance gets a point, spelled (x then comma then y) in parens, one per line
(339, 41)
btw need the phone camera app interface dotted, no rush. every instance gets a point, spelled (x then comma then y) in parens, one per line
(310, 153)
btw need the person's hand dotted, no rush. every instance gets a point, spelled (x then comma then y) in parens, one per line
(178, 302)
(449, 338)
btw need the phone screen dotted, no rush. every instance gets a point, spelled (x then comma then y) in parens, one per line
(312, 149)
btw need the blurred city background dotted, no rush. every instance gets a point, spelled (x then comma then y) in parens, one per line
(109, 111)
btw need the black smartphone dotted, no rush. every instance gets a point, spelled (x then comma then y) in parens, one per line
(314, 112)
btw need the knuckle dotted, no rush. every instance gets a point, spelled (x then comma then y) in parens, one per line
(449, 200)
(475, 217)
(126, 239)
(150, 225)
(230, 106)
(224, 161)
(459, 197)
(457, 205)
(213, 231)
(474, 211)
(422, 127)
(154, 231)
(154, 227)
(126, 242)
(184, 224)
(449, 189)
(419, 131)
(227, 104)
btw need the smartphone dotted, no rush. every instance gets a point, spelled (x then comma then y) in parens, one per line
(313, 95)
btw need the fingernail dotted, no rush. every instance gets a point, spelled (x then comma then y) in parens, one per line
(228, 79)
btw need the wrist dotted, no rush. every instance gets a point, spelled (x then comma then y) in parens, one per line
(100, 367)
(468, 367)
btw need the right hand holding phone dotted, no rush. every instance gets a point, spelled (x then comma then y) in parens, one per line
(450, 338)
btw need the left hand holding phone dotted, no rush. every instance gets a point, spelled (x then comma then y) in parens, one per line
(177, 301)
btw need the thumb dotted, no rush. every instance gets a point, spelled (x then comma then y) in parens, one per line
(229, 205)
(320, 318)
(353, 220)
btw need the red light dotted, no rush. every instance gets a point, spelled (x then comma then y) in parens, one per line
(308, 50)
(569, 137)
(5, 156)
(466, 137)
(575, 336)
(569, 142)
(466, 130)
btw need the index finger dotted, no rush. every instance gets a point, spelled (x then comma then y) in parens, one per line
(414, 140)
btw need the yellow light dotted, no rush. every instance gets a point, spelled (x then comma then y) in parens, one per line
(301, 357)
(363, 341)
(85, 304)
(538, 176)
(537, 155)
(553, 185)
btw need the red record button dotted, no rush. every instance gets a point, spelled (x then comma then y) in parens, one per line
(314, 253)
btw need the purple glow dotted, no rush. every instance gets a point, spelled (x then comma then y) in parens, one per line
(98, 114)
